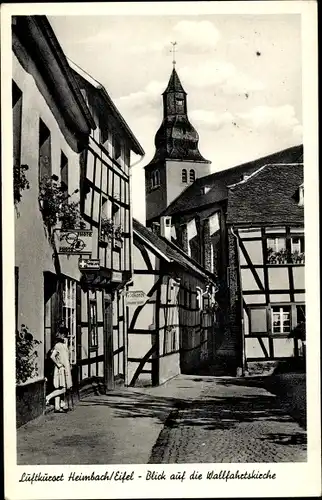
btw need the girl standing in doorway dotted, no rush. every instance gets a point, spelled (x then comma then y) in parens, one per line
(62, 378)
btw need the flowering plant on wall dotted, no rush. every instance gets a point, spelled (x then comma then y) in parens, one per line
(20, 181)
(26, 355)
(109, 231)
(56, 207)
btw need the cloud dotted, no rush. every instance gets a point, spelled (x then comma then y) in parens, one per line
(193, 37)
(149, 97)
(222, 76)
(278, 118)
(211, 119)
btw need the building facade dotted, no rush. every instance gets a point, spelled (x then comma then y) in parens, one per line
(202, 224)
(170, 310)
(266, 245)
(51, 126)
(73, 230)
(106, 207)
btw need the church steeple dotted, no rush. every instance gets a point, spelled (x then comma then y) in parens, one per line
(177, 161)
(176, 137)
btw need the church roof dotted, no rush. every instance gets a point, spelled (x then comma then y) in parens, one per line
(168, 250)
(174, 84)
(213, 188)
(269, 196)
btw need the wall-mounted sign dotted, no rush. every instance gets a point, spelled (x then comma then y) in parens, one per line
(89, 264)
(136, 297)
(74, 241)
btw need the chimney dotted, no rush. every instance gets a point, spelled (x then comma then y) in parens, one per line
(165, 227)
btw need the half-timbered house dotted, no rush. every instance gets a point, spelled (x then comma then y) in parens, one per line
(265, 225)
(199, 226)
(170, 310)
(106, 208)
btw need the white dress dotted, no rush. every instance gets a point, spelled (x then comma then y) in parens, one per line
(62, 375)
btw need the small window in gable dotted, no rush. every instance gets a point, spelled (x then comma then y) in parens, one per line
(192, 175)
(184, 177)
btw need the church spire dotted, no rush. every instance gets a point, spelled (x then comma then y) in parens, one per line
(176, 137)
(173, 50)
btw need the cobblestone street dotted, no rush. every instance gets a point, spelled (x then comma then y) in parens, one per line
(231, 422)
(189, 419)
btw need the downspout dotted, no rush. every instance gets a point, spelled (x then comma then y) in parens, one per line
(130, 203)
(243, 359)
(126, 380)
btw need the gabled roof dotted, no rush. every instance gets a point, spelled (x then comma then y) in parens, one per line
(269, 196)
(194, 197)
(136, 147)
(39, 39)
(174, 84)
(168, 250)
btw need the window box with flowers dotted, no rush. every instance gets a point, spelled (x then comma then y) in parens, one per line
(56, 207)
(109, 233)
(284, 256)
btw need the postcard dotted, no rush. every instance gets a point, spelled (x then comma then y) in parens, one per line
(161, 300)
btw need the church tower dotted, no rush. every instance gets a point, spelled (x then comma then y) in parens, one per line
(177, 161)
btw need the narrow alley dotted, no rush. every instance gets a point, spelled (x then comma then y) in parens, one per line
(190, 419)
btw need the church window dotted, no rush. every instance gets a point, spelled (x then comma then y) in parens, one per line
(192, 175)
(155, 179)
(184, 177)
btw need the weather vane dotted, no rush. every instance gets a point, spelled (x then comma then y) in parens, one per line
(173, 50)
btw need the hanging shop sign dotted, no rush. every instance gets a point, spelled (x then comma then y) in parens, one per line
(74, 241)
(89, 265)
(135, 297)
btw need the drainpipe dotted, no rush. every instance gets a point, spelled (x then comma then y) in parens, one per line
(126, 380)
(241, 369)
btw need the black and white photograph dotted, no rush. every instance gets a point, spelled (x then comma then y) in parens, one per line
(163, 251)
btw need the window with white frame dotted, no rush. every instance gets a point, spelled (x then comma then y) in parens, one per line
(281, 319)
(69, 315)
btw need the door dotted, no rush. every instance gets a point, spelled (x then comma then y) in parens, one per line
(108, 342)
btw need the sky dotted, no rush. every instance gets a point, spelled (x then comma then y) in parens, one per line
(242, 74)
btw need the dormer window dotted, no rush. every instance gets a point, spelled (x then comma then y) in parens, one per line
(205, 189)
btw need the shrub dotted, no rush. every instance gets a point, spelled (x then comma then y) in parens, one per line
(25, 355)
(20, 181)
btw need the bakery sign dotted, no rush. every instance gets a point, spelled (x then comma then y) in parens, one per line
(135, 297)
(74, 241)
